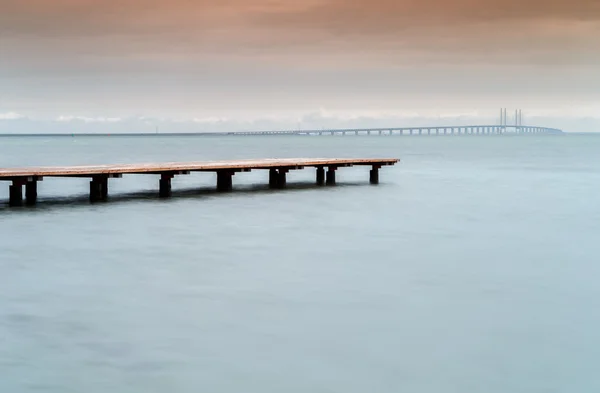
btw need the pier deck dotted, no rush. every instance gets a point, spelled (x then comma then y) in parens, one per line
(225, 170)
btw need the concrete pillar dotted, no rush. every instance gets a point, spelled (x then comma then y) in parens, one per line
(374, 175)
(331, 175)
(224, 181)
(31, 192)
(16, 193)
(164, 190)
(321, 175)
(99, 188)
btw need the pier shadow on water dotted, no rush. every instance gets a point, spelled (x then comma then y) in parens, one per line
(151, 196)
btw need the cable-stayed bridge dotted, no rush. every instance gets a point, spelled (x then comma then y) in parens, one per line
(428, 130)
(503, 127)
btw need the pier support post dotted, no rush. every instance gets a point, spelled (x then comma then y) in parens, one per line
(282, 178)
(31, 192)
(277, 178)
(99, 188)
(164, 190)
(16, 193)
(224, 181)
(273, 178)
(374, 175)
(331, 175)
(320, 176)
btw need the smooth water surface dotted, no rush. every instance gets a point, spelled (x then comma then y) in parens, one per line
(472, 267)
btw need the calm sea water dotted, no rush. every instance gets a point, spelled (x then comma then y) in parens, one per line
(472, 267)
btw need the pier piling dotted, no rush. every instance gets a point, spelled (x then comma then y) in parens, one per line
(331, 175)
(374, 175)
(16, 193)
(273, 178)
(165, 185)
(99, 188)
(282, 179)
(31, 192)
(320, 176)
(225, 181)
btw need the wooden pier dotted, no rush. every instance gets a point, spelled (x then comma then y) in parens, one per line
(99, 174)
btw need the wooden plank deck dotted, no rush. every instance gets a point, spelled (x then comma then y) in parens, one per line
(206, 166)
(99, 174)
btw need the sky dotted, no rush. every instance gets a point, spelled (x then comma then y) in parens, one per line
(228, 64)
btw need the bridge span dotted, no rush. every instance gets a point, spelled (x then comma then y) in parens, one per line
(436, 130)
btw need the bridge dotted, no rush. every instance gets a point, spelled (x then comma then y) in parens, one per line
(437, 130)
(429, 130)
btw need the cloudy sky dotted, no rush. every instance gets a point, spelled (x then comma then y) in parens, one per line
(213, 61)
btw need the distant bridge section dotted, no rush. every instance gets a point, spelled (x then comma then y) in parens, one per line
(438, 130)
